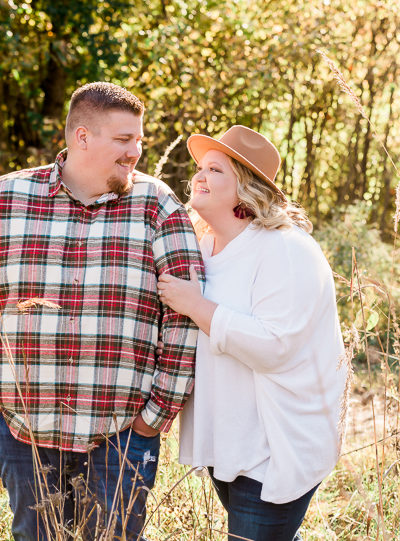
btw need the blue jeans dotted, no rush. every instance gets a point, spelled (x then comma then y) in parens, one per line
(249, 517)
(86, 481)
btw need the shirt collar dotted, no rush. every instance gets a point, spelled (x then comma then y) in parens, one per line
(56, 183)
(55, 180)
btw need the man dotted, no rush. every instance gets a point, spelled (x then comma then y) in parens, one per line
(82, 242)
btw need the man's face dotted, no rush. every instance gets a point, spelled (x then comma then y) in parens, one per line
(113, 150)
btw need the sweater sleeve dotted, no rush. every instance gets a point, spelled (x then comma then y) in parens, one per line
(285, 293)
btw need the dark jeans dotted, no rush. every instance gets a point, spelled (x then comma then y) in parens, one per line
(87, 482)
(249, 517)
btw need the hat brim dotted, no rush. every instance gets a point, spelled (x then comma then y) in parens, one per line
(198, 145)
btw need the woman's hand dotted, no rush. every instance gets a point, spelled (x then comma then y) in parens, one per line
(180, 295)
(185, 297)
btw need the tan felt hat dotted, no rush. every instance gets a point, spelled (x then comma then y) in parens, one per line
(247, 147)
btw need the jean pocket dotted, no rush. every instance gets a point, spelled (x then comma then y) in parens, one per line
(141, 447)
(143, 454)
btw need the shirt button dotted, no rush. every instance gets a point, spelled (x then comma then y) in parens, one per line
(76, 280)
(71, 360)
(79, 243)
(68, 398)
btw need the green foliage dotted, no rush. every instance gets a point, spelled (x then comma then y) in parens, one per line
(202, 66)
(373, 273)
(348, 228)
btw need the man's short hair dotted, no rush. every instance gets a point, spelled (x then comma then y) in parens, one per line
(93, 99)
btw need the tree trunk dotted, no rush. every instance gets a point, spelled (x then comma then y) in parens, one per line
(347, 188)
(54, 86)
(289, 137)
(386, 177)
(367, 143)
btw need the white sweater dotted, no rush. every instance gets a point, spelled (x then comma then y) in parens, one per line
(268, 388)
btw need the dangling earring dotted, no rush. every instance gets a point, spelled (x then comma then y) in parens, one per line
(242, 212)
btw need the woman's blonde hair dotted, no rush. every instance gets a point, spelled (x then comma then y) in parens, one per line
(269, 209)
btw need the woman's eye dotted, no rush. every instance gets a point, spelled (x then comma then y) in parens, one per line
(213, 169)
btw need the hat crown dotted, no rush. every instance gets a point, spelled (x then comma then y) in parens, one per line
(247, 146)
(255, 148)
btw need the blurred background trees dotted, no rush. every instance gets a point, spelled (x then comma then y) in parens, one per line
(201, 66)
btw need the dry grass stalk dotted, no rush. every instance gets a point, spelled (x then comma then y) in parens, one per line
(23, 306)
(347, 358)
(396, 347)
(343, 84)
(397, 213)
(232, 535)
(164, 158)
(367, 352)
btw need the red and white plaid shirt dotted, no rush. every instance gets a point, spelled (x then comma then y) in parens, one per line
(91, 363)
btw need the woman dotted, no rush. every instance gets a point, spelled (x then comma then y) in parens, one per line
(264, 416)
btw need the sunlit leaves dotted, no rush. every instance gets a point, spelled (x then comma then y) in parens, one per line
(201, 66)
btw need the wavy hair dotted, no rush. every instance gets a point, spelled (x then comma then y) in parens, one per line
(269, 209)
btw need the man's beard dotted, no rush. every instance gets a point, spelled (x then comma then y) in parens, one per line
(120, 186)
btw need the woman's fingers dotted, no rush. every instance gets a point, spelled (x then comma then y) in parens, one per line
(162, 286)
(165, 277)
(168, 278)
(193, 274)
(180, 295)
(160, 347)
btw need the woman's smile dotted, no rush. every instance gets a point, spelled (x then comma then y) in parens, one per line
(202, 189)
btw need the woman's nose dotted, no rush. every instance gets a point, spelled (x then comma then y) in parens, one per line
(199, 175)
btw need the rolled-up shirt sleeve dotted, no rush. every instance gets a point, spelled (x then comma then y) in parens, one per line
(259, 344)
(175, 248)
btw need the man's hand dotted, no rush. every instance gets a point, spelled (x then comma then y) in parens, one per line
(140, 427)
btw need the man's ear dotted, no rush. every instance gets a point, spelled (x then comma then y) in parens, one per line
(81, 137)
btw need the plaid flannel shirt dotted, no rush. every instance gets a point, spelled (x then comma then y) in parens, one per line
(90, 365)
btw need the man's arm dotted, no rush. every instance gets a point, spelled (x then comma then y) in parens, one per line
(175, 248)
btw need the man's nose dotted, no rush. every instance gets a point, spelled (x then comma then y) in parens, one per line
(134, 149)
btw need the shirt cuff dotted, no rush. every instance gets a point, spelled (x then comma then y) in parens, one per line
(219, 327)
(155, 417)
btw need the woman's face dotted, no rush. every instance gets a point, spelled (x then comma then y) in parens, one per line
(214, 186)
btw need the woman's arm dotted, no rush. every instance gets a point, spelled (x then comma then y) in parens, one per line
(185, 297)
(290, 296)
(244, 336)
